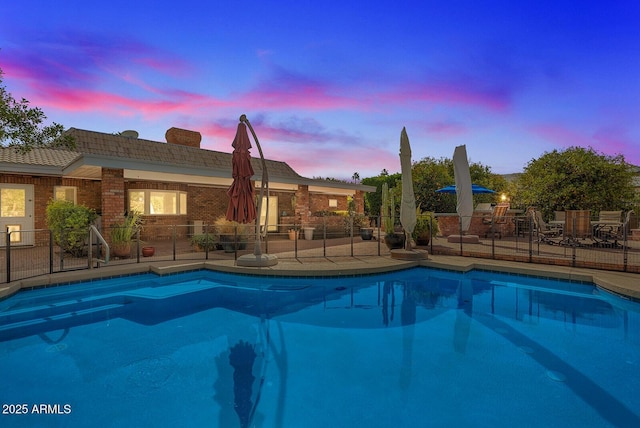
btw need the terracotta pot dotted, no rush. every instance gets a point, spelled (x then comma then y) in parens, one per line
(121, 250)
(148, 251)
(293, 234)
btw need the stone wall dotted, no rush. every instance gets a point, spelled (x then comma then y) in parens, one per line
(449, 225)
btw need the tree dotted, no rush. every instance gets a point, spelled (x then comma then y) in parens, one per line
(21, 125)
(373, 201)
(431, 174)
(576, 178)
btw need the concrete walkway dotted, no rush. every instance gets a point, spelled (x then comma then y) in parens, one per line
(627, 284)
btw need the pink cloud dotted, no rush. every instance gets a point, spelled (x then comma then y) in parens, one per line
(74, 60)
(608, 140)
(288, 90)
(445, 128)
(616, 140)
(323, 161)
(561, 136)
(450, 93)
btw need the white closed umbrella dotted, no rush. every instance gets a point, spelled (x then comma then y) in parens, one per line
(464, 194)
(408, 203)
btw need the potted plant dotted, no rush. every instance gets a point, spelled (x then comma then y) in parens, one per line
(204, 242)
(426, 227)
(122, 234)
(293, 234)
(361, 223)
(392, 239)
(231, 234)
(366, 233)
(148, 251)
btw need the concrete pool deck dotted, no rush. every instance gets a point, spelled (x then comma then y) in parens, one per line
(626, 284)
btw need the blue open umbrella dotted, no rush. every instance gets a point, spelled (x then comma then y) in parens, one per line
(475, 188)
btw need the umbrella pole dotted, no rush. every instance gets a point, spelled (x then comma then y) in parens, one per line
(264, 184)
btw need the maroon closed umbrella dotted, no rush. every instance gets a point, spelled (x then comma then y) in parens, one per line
(242, 207)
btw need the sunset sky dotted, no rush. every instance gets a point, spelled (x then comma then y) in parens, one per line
(329, 85)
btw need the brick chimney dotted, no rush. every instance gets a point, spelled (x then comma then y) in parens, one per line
(183, 137)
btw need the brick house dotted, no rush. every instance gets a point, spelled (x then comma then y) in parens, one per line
(172, 183)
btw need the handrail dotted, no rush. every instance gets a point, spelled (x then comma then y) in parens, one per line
(94, 230)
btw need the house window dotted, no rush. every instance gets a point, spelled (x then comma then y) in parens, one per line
(158, 202)
(13, 202)
(333, 203)
(65, 193)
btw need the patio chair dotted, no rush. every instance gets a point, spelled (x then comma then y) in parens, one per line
(498, 218)
(544, 232)
(577, 226)
(622, 233)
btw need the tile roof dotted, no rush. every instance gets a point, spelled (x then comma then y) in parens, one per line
(137, 149)
(98, 149)
(42, 157)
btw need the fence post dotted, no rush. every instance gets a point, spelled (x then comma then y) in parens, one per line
(460, 231)
(351, 220)
(493, 239)
(138, 245)
(625, 249)
(174, 242)
(575, 242)
(295, 241)
(378, 225)
(8, 250)
(206, 242)
(324, 236)
(431, 234)
(531, 225)
(90, 249)
(62, 239)
(50, 251)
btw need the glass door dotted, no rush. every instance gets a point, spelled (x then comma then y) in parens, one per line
(16, 214)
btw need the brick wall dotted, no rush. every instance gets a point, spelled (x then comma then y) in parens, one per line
(113, 197)
(88, 192)
(449, 225)
(109, 198)
(206, 203)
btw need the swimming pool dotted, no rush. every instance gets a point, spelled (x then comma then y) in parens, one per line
(412, 348)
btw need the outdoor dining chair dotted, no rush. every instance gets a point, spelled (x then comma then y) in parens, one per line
(498, 218)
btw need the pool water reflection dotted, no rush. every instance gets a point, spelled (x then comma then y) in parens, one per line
(416, 348)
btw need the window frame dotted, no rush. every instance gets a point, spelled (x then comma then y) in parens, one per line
(180, 200)
(65, 188)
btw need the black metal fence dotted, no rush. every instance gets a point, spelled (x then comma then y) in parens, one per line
(519, 238)
(44, 255)
(158, 243)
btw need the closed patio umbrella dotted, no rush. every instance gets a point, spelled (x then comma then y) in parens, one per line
(464, 194)
(242, 207)
(408, 202)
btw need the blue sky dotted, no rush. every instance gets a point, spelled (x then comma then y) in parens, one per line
(328, 86)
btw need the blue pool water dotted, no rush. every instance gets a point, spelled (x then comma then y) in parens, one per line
(413, 348)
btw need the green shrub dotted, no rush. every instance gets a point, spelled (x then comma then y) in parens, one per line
(204, 242)
(70, 225)
(122, 233)
(426, 222)
(222, 226)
